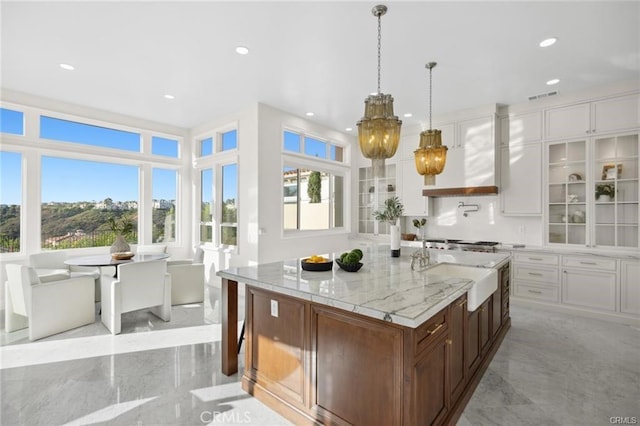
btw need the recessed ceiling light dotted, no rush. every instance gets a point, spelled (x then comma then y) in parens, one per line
(169, 96)
(309, 114)
(548, 42)
(348, 129)
(242, 50)
(407, 115)
(67, 67)
(553, 81)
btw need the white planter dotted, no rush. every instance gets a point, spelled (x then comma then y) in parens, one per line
(604, 198)
(394, 231)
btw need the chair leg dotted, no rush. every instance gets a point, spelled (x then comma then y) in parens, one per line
(241, 337)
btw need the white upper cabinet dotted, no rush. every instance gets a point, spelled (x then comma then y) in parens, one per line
(521, 128)
(521, 180)
(615, 114)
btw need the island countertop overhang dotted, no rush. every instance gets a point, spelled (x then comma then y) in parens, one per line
(385, 288)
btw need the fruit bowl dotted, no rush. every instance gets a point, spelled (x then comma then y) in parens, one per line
(122, 255)
(349, 267)
(316, 266)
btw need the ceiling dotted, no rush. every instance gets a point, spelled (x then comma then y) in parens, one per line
(310, 56)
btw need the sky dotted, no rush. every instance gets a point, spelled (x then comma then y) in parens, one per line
(69, 180)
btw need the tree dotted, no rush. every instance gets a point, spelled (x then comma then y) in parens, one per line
(314, 187)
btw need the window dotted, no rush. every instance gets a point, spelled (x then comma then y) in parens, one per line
(229, 140)
(164, 147)
(229, 215)
(164, 208)
(11, 121)
(10, 201)
(206, 147)
(71, 131)
(312, 199)
(78, 197)
(312, 147)
(206, 204)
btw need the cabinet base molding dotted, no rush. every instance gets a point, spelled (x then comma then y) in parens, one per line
(628, 319)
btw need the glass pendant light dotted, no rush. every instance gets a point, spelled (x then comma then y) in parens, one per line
(379, 129)
(431, 156)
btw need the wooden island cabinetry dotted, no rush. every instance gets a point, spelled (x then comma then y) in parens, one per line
(317, 364)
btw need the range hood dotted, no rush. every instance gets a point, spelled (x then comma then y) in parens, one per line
(466, 191)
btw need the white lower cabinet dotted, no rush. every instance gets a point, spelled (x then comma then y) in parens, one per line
(598, 284)
(536, 276)
(630, 287)
(589, 289)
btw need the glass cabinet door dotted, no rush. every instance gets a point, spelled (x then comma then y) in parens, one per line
(372, 194)
(567, 192)
(615, 190)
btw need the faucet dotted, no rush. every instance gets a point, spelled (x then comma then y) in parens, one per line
(422, 256)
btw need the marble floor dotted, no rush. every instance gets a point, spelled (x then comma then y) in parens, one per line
(552, 369)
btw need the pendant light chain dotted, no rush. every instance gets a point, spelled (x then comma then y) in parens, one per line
(379, 44)
(430, 92)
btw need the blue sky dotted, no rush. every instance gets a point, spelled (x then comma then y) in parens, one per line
(68, 180)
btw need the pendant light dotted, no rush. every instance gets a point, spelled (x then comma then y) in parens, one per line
(431, 155)
(379, 129)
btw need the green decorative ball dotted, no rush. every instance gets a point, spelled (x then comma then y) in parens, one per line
(351, 258)
(358, 252)
(343, 256)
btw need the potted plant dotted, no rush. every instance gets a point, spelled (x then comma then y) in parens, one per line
(419, 225)
(605, 192)
(392, 211)
(122, 228)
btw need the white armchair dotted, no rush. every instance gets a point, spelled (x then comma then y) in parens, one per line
(46, 308)
(50, 266)
(187, 279)
(139, 285)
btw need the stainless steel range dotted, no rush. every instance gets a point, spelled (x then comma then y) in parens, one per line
(464, 245)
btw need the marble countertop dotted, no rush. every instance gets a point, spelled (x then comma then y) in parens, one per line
(633, 254)
(385, 288)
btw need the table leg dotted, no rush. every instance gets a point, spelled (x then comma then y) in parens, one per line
(229, 327)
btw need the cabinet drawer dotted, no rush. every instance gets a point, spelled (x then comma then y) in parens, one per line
(536, 274)
(545, 294)
(429, 332)
(545, 259)
(589, 263)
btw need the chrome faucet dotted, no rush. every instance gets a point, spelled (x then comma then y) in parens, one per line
(422, 256)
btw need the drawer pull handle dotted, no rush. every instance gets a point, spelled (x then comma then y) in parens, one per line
(535, 274)
(536, 258)
(534, 291)
(462, 303)
(449, 342)
(588, 263)
(438, 327)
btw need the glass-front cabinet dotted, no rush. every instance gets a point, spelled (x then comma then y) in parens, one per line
(372, 193)
(592, 192)
(615, 176)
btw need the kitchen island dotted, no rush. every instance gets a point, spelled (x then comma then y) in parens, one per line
(386, 345)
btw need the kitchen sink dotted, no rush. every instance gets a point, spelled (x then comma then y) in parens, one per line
(485, 281)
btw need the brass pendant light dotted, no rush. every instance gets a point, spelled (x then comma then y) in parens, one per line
(379, 129)
(431, 156)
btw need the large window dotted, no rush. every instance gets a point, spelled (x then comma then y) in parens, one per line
(78, 198)
(10, 201)
(219, 188)
(312, 199)
(229, 221)
(71, 131)
(164, 205)
(206, 206)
